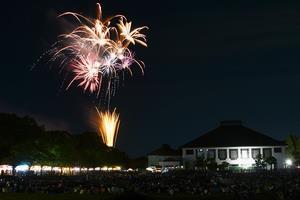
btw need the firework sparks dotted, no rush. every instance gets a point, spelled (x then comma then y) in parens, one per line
(86, 70)
(97, 50)
(108, 125)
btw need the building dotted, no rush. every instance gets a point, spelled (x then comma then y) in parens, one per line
(235, 144)
(164, 156)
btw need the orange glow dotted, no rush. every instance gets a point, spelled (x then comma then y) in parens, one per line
(108, 126)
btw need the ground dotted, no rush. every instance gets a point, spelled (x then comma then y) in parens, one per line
(26, 196)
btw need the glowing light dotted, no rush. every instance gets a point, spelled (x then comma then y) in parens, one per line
(245, 162)
(65, 170)
(104, 168)
(117, 168)
(84, 169)
(35, 168)
(75, 169)
(246, 166)
(244, 153)
(288, 162)
(91, 169)
(97, 169)
(108, 126)
(46, 168)
(22, 168)
(56, 169)
(150, 169)
(6, 168)
(97, 50)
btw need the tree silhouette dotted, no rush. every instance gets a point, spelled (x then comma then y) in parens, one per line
(260, 163)
(23, 140)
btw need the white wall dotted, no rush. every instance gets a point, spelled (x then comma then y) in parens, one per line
(153, 160)
(169, 163)
(242, 162)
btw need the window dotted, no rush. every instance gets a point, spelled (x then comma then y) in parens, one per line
(267, 152)
(277, 150)
(244, 153)
(200, 153)
(211, 154)
(255, 153)
(189, 152)
(233, 154)
(222, 154)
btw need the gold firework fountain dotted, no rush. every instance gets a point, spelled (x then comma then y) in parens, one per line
(108, 126)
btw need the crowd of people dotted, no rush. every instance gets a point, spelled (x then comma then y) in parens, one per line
(283, 185)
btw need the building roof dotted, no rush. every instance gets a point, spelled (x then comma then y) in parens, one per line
(232, 134)
(165, 150)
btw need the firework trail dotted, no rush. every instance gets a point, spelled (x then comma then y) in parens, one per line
(97, 51)
(108, 125)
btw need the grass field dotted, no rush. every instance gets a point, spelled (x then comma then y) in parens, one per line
(36, 196)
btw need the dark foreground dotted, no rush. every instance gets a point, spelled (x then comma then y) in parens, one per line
(26, 196)
(282, 185)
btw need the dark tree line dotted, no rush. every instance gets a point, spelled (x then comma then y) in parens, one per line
(23, 140)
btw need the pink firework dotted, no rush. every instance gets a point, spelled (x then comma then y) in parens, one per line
(86, 70)
(97, 50)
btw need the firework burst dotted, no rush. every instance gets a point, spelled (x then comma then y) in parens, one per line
(108, 125)
(98, 50)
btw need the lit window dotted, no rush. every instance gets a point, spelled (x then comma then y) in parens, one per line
(267, 152)
(277, 150)
(200, 153)
(222, 154)
(189, 152)
(211, 154)
(233, 154)
(255, 153)
(244, 153)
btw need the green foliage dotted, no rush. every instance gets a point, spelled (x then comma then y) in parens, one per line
(260, 163)
(223, 166)
(272, 162)
(293, 149)
(210, 164)
(201, 163)
(23, 140)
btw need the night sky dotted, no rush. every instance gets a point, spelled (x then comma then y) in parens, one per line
(205, 62)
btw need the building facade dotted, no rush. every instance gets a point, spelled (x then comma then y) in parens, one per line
(164, 156)
(234, 144)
